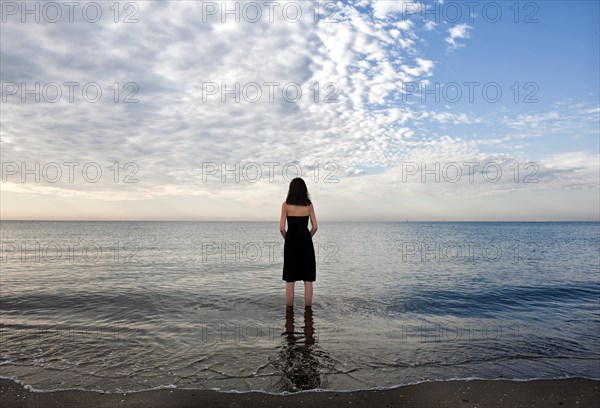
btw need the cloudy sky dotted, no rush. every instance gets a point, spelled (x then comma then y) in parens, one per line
(389, 110)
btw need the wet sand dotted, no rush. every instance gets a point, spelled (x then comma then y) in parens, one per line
(475, 393)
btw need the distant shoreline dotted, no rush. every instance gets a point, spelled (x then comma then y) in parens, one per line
(578, 392)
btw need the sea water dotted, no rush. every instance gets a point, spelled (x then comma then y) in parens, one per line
(128, 306)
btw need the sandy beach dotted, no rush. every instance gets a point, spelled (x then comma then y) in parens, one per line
(476, 393)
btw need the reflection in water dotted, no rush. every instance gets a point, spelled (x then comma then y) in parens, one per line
(298, 360)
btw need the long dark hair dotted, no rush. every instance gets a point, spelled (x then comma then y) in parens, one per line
(298, 193)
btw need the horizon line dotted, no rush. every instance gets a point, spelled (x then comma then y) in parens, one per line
(276, 221)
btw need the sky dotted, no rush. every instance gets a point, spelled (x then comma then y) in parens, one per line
(389, 110)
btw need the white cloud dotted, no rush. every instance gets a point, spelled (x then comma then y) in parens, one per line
(171, 55)
(460, 31)
(384, 8)
(449, 117)
(430, 25)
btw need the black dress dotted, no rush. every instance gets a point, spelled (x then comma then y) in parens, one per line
(298, 251)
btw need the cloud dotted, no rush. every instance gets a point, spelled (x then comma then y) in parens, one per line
(384, 8)
(460, 31)
(572, 120)
(430, 25)
(350, 73)
(171, 55)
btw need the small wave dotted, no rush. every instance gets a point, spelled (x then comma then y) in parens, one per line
(379, 388)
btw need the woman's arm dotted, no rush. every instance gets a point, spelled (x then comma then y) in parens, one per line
(282, 220)
(313, 221)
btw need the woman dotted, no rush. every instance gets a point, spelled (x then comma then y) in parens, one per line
(298, 250)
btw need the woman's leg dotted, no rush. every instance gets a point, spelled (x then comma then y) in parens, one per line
(308, 293)
(289, 293)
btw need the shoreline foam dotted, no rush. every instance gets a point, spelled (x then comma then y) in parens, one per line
(32, 389)
(451, 393)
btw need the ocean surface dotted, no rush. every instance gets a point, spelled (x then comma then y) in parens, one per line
(128, 306)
